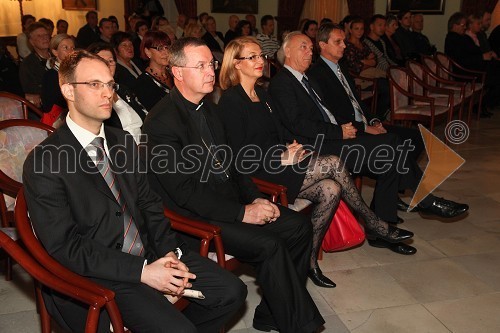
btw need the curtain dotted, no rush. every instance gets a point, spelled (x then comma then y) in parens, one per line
(289, 15)
(474, 6)
(363, 8)
(336, 10)
(187, 7)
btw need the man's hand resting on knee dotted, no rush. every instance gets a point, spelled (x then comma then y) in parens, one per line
(261, 211)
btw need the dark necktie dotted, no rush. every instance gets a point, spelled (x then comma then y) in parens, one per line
(131, 239)
(329, 118)
(358, 112)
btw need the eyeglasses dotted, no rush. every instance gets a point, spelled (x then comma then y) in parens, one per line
(204, 66)
(160, 48)
(254, 57)
(98, 85)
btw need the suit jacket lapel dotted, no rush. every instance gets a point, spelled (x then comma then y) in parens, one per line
(85, 164)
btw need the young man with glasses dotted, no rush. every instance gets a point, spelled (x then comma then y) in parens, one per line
(192, 170)
(95, 213)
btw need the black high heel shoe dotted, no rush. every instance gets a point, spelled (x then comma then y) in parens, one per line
(316, 276)
(392, 235)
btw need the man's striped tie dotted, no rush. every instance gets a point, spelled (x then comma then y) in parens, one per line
(131, 239)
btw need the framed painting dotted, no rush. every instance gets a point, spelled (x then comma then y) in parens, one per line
(421, 6)
(235, 6)
(79, 4)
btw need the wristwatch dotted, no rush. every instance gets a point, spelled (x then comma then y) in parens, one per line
(178, 252)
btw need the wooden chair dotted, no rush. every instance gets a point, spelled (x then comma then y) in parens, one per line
(94, 301)
(446, 67)
(427, 83)
(17, 138)
(35, 248)
(407, 106)
(16, 107)
(367, 94)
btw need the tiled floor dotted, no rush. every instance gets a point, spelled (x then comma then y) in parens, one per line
(452, 284)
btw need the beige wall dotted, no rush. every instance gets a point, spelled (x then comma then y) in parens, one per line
(435, 26)
(265, 7)
(10, 20)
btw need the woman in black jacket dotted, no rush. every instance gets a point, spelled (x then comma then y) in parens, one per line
(248, 115)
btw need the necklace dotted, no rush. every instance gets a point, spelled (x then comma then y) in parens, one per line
(160, 76)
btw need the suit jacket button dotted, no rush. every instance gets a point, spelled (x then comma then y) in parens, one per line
(118, 214)
(119, 246)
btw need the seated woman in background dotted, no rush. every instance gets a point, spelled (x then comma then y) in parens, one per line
(60, 47)
(247, 112)
(126, 69)
(128, 113)
(155, 81)
(193, 30)
(360, 59)
(393, 49)
(310, 29)
(243, 28)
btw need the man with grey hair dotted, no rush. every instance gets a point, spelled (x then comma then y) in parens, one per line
(323, 101)
(273, 239)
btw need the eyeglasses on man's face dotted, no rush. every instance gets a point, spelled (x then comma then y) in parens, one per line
(98, 85)
(254, 57)
(202, 67)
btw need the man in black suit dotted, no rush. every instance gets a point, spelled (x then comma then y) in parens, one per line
(94, 212)
(89, 33)
(192, 171)
(326, 108)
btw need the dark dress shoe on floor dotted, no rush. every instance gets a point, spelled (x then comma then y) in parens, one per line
(445, 208)
(400, 220)
(403, 206)
(392, 235)
(316, 276)
(400, 248)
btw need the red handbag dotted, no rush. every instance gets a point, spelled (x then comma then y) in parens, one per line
(344, 231)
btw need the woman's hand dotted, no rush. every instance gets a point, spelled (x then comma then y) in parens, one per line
(293, 154)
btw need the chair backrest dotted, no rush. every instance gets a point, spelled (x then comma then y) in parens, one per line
(399, 80)
(16, 107)
(46, 278)
(17, 138)
(36, 249)
(418, 71)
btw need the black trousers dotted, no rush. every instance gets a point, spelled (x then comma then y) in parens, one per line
(358, 155)
(280, 253)
(145, 309)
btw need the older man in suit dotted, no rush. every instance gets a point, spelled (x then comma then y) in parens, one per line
(192, 171)
(94, 213)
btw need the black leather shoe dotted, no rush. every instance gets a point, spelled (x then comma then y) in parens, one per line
(403, 206)
(316, 276)
(394, 234)
(445, 208)
(400, 248)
